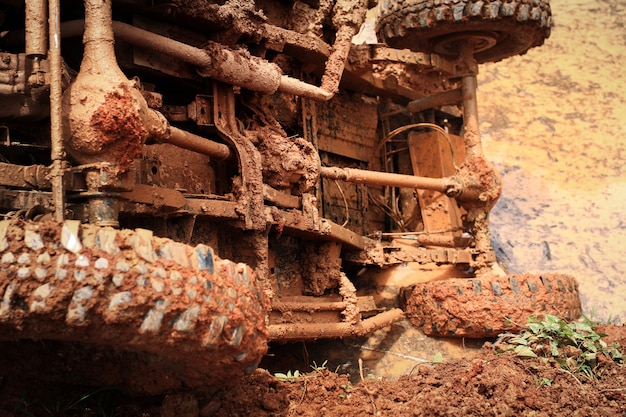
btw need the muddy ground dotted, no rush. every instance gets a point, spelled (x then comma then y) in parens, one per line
(487, 384)
(552, 122)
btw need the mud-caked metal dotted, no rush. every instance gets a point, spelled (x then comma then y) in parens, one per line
(180, 134)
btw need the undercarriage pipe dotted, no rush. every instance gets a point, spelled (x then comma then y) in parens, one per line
(187, 140)
(56, 118)
(215, 61)
(451, 186)
(36, 37)
(232, 67)
(471, 137)
(160, 131)
(308, 331)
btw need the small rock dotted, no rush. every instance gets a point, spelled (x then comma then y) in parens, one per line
(39, 297)
(76, 312)
(119, 299)
(33, 240)
(118, 279)
(5, 302)
(187, 321)
(63, 259)
(8, 258)
(24, 258)
(23, 272)
(80, 275)
(105, 240)
(157, 284)
(176, 252)
(44, 258)
(102, 263)
(82, 261)
(142, 268)
(152, 322)
(122, 266)
(69, 236)
(204, 258)
(141, 242)
(41, 273)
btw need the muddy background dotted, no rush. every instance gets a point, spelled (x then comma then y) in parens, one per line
(554, 124)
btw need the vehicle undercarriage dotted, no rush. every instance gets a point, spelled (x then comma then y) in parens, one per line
(195, 179)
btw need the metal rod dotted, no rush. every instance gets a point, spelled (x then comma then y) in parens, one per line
(307, 331)
(187, 140)
(270, 81)
(56, 124)
(25, 176)
(300, 88)
(473, 145)
(309, 306)
(261, 75)
(360, 176)
(35, 28)
(160, 131)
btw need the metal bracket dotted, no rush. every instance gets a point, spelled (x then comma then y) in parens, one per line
(250, 195)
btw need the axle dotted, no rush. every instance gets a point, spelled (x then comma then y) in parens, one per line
(451, 186)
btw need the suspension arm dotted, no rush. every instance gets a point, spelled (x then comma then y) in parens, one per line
(454, 186)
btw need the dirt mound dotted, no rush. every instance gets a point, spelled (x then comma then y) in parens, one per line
(490, 385)
(493, 385)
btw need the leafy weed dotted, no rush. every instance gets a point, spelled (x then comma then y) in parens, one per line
(575, 347)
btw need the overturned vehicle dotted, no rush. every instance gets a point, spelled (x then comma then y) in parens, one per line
(186, 181)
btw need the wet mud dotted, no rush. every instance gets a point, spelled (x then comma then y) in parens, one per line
(488, 385)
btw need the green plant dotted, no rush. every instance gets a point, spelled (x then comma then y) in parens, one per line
(319, 368)
(576, 347)
(293, 376)
(543, 382)
(289, 376)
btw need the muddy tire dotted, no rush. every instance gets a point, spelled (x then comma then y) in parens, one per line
(482, 308)
(503, 28)
(196, 319)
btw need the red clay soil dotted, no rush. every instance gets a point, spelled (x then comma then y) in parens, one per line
(491, 384)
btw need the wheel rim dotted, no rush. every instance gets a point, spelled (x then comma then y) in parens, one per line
(452, 44)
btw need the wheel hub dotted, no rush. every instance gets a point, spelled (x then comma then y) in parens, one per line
(452, 44)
